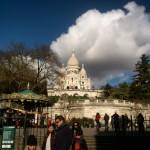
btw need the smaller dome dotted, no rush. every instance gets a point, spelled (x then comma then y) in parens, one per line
(73, 61)
(83, 72)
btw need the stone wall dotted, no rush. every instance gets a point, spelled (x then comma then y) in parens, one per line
(86, 108)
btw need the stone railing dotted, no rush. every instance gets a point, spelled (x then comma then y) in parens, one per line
(115, 102)
(104, 102)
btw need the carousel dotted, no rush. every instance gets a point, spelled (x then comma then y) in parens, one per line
(23, 110)
(25, 102)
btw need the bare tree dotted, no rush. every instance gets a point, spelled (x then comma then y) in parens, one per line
(21, 65)
(66, 105)
(15, 66)
(46, 65)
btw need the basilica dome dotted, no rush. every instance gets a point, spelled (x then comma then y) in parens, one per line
(73, 61)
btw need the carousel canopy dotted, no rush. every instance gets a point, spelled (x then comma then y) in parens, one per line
(27, 95)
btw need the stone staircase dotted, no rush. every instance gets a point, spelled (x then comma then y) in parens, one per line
(110, 142)
(91, 142)
(99, 143)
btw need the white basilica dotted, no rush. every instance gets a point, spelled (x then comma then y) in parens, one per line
(74, 81)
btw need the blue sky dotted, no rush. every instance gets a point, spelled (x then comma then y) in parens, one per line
(44, 21)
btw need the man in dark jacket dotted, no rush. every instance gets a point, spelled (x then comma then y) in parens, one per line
(140, 122)
(63, 138)
(106, 119)
(116, 122)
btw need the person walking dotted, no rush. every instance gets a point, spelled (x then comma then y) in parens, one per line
(112, 123)
(124, 123)
(116, 119)
(106, 119)
(79, 142)
(63, 137)
(97, 120)
(140, 122)
(48, 143)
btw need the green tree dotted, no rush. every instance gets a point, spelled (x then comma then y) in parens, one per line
(140, 87)
(122, 91)
(108, 90)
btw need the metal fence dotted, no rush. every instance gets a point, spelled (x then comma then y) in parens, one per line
(24, 127)
(27, 125)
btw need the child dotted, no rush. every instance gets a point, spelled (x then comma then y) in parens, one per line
(32, 143)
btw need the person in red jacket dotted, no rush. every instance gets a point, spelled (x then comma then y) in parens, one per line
(97, 120)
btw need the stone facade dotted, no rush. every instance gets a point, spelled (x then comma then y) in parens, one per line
(87, 93)
(74, 81)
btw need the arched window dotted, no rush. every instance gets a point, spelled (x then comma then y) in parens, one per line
(76, 87)
(67, 87)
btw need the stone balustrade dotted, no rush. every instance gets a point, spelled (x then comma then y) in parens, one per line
(88, 108)
(112, 102)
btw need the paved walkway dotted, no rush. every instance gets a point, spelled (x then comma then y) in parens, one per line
(89, 131)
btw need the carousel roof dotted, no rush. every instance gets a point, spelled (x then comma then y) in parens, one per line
(27, 92)
(27, 95)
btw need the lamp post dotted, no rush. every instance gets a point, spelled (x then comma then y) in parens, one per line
(24, 128)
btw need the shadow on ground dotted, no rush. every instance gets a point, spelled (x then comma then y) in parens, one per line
(130, 140)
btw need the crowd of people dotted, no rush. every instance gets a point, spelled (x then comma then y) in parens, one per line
(60, 137)
(120, 122)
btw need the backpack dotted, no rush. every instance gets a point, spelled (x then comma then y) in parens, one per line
(77, 146)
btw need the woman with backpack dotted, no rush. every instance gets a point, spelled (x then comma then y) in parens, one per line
(79, 142)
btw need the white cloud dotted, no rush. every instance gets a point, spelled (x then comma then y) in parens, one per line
(108, 43)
